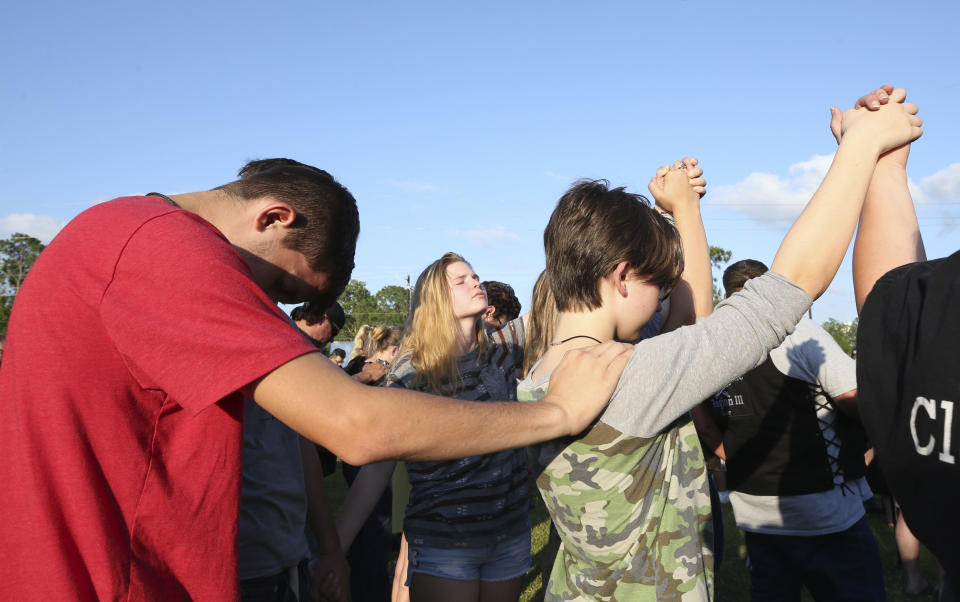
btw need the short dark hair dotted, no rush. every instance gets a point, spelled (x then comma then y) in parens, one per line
(339, 352)
(310, 312)
(327, 222)
(737, 274)
(501, 296)
(592, 229)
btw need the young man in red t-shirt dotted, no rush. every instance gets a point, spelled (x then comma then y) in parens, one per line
(121, 431)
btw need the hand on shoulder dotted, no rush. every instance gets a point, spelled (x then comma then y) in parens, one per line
(584, 380)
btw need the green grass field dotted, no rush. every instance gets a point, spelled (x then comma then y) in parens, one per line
(733, 579)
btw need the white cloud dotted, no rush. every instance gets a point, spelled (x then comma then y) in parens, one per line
(43, 227)
(484, 237)
(769, 198)
(943, 185)
(411, 186)
(917, 192)
(776, 201)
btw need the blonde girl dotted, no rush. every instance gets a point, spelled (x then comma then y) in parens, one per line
(467, 523)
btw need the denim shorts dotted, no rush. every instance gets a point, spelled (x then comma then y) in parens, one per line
(497, 562)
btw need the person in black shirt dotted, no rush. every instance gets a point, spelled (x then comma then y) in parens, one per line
(908, 354)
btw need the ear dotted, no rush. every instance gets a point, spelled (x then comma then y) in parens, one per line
(274, 214)
(490, 311)
(620, 277)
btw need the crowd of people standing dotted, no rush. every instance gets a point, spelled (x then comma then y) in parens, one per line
(146, 460)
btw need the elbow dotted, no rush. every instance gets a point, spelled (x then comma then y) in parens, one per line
(358, 455)
(364, 440)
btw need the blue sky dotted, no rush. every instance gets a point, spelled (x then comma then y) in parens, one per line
(457, 126)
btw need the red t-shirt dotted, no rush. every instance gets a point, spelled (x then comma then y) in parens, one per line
(120, 421)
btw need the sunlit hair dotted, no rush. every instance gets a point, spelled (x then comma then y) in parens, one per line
(592, 229)
(361, 341)
(432, 331)
(384, 337)
(543, 323)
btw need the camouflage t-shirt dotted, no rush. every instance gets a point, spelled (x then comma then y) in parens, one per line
(629, 497)
(633, 514)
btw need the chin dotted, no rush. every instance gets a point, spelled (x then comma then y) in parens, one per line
(631, 336)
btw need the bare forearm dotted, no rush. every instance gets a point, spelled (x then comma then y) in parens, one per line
(707, 429)
(364, 424)
(361, 499)
(696, 260)
(407, 425)
(678, 190)
(812, 250)
(848, 404)
(319, 515)
(316, 399)
(889, 234)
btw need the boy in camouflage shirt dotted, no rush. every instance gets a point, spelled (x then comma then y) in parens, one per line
(629, 495)
(632, 511)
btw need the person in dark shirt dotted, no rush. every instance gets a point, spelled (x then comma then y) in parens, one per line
(907, 353)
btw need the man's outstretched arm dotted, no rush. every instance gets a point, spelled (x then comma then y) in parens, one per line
(363, 424)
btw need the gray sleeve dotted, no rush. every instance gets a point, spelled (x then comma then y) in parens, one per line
(670, 373)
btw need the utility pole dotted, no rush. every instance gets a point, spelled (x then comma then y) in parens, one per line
(409, 295)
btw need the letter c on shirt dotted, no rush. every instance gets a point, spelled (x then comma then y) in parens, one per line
(931, 408)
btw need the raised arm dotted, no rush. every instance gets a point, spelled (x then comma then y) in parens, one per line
(693, 296)
(889, 234)
(678, 190)
(316, 399)
(814, 247)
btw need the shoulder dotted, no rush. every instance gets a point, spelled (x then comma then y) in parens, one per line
(811, 354)
(510, 333)
(113, 224)
(153, 231)
(809, 342)
(132, 213)
(909, 324)
(808, 330)
(402, 371)
(906, 289)
(530, 389)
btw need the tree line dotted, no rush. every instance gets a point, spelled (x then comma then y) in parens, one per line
(17, 255)
(388, 306)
